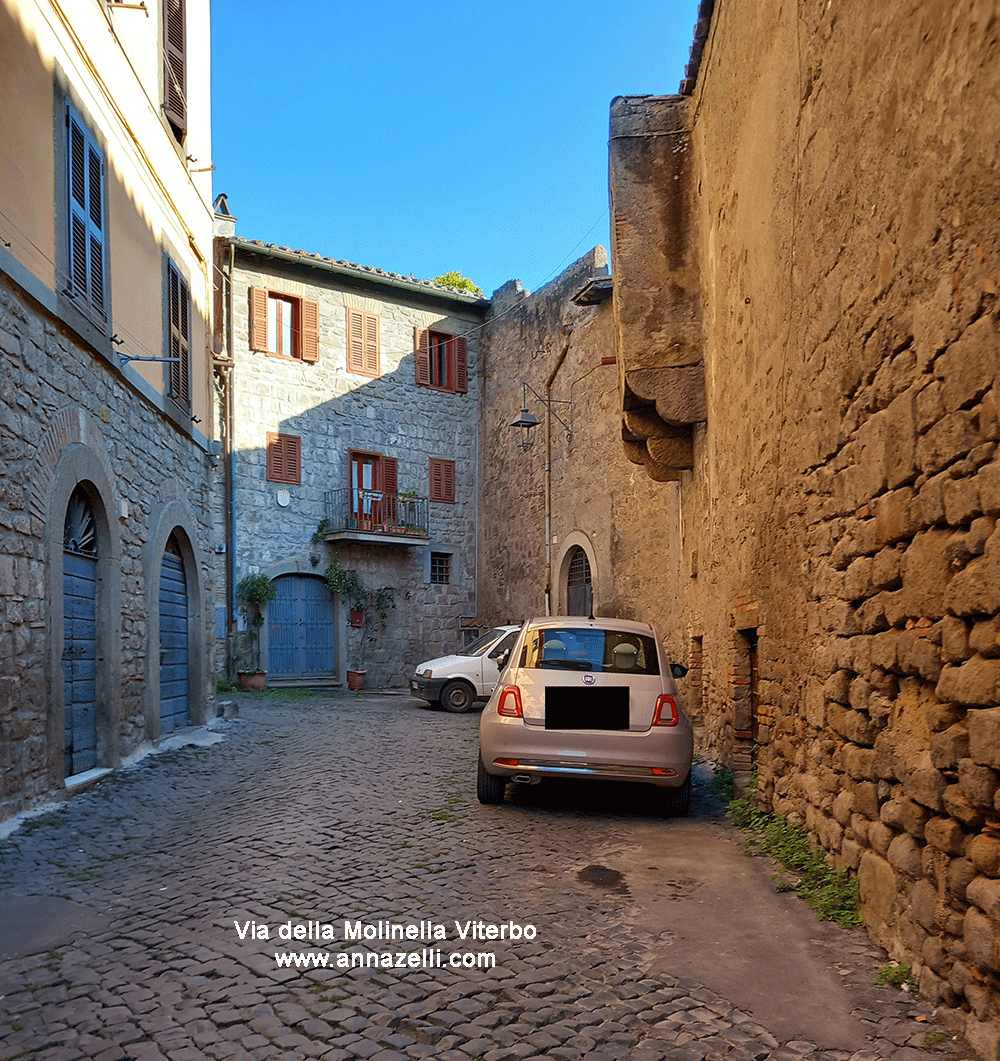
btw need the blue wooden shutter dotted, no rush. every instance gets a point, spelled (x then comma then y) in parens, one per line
(179, 311)
(175, 63)
(85, 173)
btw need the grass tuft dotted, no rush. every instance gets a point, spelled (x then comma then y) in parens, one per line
(832, 894)
(896, 974)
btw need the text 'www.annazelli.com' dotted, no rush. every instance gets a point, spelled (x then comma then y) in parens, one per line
(425, 958)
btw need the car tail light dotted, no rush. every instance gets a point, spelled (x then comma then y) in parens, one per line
(509, 704)
(666, 713)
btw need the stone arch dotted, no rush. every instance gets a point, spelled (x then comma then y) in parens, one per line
(174, 518)
(574, 541)
(298, 567)
(80, 465)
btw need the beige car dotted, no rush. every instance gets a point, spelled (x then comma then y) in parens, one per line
(587, 698)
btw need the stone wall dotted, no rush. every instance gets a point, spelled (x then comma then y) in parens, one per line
(839, 520)
(598, 500)
(67, 417)
(333, 411)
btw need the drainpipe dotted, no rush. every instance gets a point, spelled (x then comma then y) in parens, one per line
(567, 330)
(231, 459)
(225, 366)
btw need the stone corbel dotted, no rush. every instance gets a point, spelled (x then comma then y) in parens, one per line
(657, 298)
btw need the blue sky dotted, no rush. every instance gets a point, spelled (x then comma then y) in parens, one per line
(425, 137)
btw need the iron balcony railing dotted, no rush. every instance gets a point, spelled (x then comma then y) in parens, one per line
(375, 512)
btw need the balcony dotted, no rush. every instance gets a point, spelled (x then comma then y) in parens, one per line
(375, 516)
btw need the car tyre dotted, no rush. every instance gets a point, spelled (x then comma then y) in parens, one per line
(489, 789)
(677, 801)
(458, 697)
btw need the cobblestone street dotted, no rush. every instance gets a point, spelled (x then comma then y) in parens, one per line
(334, 809)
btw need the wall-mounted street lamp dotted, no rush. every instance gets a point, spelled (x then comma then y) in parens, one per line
(527, 421)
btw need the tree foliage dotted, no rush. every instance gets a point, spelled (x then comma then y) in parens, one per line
(456, 280)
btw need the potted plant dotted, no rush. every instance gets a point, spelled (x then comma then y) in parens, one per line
(376, 607)
(346, 583)
(255, 591)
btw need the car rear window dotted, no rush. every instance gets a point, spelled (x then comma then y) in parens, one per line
(482, 643)
(607, 651)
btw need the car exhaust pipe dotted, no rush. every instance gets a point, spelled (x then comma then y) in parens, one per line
(521, 779)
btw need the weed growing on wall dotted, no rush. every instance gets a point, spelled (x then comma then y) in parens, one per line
(831, 893)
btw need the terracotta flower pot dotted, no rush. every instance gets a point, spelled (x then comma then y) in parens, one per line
(356, 680)
(253, 680)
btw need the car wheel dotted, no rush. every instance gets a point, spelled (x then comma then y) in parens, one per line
(489, 789)
(677, 801)
(457, 697)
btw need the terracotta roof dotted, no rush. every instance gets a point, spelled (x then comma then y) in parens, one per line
(701, 31)
(352, 268)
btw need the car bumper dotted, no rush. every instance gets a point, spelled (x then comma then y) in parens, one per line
(428, 689)
(652, 757)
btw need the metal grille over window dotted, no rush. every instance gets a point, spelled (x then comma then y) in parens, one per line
(80, 530)
(440, 567)
(579, 591)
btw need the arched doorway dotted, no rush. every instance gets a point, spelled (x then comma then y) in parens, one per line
(579, 586)
(301, 631)
(79, 656)
(175, 709)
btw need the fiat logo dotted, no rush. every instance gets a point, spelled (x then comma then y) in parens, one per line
(588, 679)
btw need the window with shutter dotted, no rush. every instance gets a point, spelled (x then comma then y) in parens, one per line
(441, 360)
(85, 186)
(175, 65)
(284, 325)
(179, 337)
(373, 481)
(442, 480)
(284, 458)
(363, 342)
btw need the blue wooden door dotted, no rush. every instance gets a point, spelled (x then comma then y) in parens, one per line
(79, 661)
(301, 630)
(174, 708)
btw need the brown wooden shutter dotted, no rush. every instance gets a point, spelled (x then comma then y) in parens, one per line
(175, 63)
(355, 341)
(293, 459)
(258, 318)
(371, 343)
(390, 487)
(461, 365)
(309, 323)
(422, 350)
(448, 481)
(442, 477)
(284, 458)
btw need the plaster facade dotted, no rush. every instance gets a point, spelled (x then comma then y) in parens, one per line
(106, 446)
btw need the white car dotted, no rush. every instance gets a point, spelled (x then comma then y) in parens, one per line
(456, 682)
(587, 698)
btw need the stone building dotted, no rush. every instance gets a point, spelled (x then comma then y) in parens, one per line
(353, 398)
(106, 569)
(806, 265)
(806, 273)
(568, 523)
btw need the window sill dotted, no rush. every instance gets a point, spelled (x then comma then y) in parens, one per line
(440, 390)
